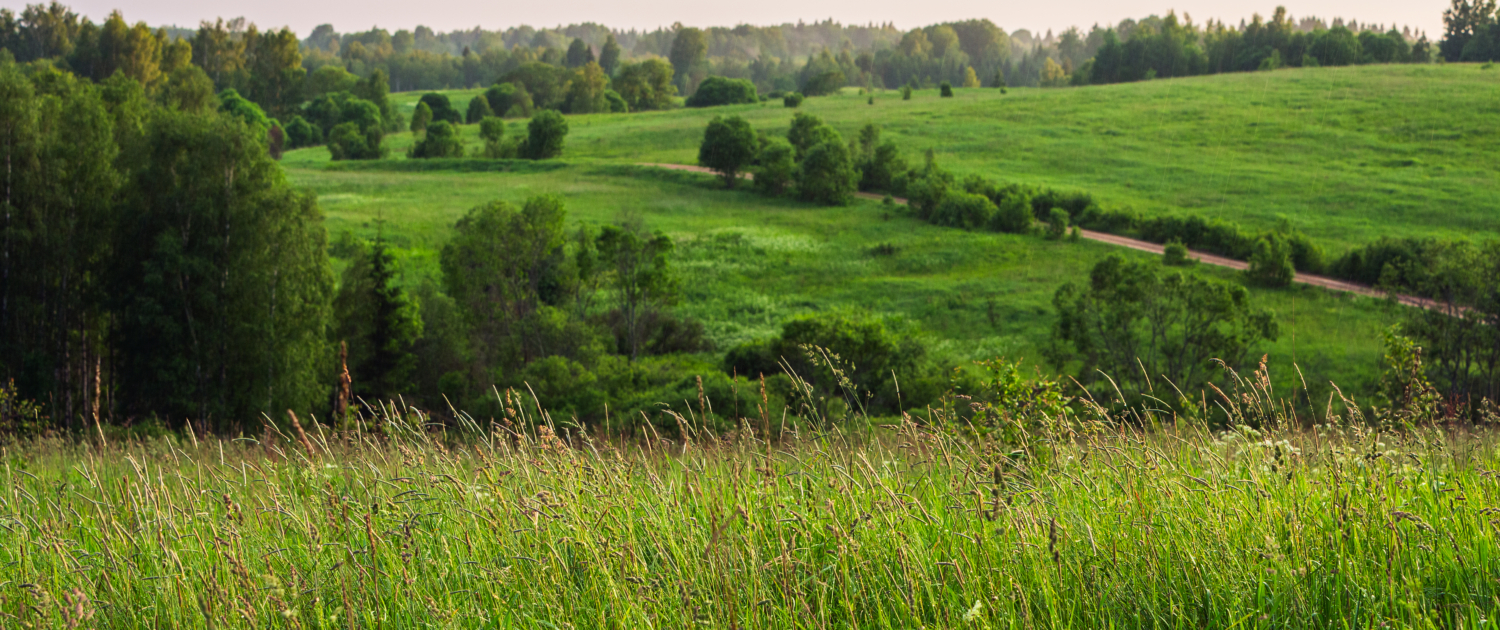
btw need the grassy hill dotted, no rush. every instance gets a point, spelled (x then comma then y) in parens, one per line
(1346, 155)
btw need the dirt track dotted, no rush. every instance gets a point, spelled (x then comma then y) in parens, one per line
(1325, 282)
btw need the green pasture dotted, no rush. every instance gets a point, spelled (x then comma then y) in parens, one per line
(1345, 154)
(749, 263)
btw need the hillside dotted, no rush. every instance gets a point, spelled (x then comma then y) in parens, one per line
(1345, 154)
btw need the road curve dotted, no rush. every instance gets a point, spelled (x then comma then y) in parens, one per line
(1332, 284)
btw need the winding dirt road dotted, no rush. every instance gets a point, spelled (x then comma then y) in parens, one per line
(1325, 282)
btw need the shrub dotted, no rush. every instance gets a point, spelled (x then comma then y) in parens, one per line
(963, 210)
(1057, 223)
(825, 83)
(509, 100)
(421, 118)
(617, 104)
(946, 90)
(729, 145)
(300, 133)
(442, 108)
(492, 131)
(717, 90)
(545, 135)
(906, 92)
(792, 100)
(880, 171)
(804, 132)
(479, 109)
(347, 142)
(1012, 214)
(778, 166)
(440, 141)
(1271, 262)
(1076, 203)
(1175, 254)
(827, 173)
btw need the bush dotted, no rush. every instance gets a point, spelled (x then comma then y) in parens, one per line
(906, 92)
(545, 135)
(792, 100)
(509, 100)
(1012, 214)
(825, 83)
(1057, 223)
(347, 142)
(778, 166)
(479, 109)
(1271, 262)
(421, 118)
(440, 141)
(1369, 264)
(300, 133)
(946, 90)
(1076, 203)
(729, 145)
(880, 172)
(716, 90)
(963, 210)
(617, 104)
(1175, 254)
(827, 174)
(492, 131)
(441, 108)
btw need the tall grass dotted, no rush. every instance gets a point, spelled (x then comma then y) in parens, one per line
(1081, 521)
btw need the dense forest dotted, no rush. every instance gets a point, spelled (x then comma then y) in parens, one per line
(157, 266)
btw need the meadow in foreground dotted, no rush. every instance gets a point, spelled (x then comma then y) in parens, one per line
(1076, 521)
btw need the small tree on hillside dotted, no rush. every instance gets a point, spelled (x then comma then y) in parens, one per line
(442, 108)
(420, 118)
(441, 141)
(803, 134)
(479, 109)
(945, 90)
(827, 174)
(1271, 262)
(729, 145)
(492, 131)
(778, 167)
(638, 265)
(545, 135)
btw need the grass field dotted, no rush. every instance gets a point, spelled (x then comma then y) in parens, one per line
(750, 263)
(1084, 527)
(1345, 154)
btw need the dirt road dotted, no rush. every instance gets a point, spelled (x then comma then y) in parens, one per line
(1325, 282)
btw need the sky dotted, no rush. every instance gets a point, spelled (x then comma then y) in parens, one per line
(393, 15)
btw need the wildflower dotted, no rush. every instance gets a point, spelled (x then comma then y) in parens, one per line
(973, 614)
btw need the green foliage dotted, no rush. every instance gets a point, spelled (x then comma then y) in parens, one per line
(826, 175)
(1151, 331)
(329, 79)
(1404, 387)
(638, 268)
(442, 109)
(1057, 223)
(840, 358)
(879, 171)
(189, 89)
(347, 142)
(546, 83)
(716, 90)
(906, 92)
(545, 135)
(1013, 214)
(509, 100)
(1175, 254)
(804, 133)
(421, 118)
(231, 103)
(300, 133)
(777, 169)
(223, 285)
(945, 90)
(479, 109)
(492, 131)
(378, 323)
(646, 85)
(792, 100)
(689, 57)
(729, 145)
(376, 89)
(579, 54)
(617, 104)
(609, 54)
(964, 211)
(1271, 262)
(586, 90)
(440, 141)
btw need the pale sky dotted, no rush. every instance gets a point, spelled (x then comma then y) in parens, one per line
(393, 15)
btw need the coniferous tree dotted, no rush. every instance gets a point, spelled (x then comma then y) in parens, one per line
(378, 323)
(609, 55)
